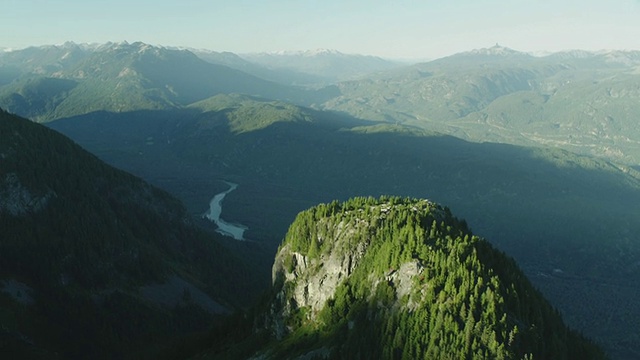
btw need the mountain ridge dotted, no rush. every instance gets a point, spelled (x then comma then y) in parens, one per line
(582, 103)
(124, 77)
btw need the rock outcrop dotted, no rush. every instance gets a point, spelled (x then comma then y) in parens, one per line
(16, 199)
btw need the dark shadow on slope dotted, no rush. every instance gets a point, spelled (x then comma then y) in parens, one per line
(85, 238)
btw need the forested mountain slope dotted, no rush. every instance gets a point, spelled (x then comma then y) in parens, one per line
(96, 263)
(397, 278)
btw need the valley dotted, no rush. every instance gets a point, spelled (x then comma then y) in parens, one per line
(507, 194)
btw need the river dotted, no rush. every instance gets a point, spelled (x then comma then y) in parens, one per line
(236, 231)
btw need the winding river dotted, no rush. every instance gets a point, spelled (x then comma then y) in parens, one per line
(236, 231)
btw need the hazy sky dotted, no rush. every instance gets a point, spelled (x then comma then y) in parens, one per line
(392, 28)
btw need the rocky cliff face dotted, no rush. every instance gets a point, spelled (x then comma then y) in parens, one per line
(310, 282)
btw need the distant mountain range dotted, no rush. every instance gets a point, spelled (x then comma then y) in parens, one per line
(62, 81)
(330, 65)
(579, 101)
(314, 69)
(49, 82)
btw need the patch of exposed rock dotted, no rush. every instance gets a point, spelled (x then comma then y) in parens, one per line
(177, 291)
(16, 199)
(309, 283)
(402, 281)
(18, 291)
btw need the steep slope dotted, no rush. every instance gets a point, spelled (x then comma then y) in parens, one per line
(569, 220)
(95, 262)
(125, 77)
(401, 278)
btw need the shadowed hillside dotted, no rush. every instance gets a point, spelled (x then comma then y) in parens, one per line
(95, 262)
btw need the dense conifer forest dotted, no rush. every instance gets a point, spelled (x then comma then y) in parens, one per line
(414, 283)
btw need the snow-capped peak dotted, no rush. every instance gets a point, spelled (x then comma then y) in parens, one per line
(495, 50)
(318, 52)
(304, 53)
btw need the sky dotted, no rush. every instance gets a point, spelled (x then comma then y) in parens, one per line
(396, 29)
